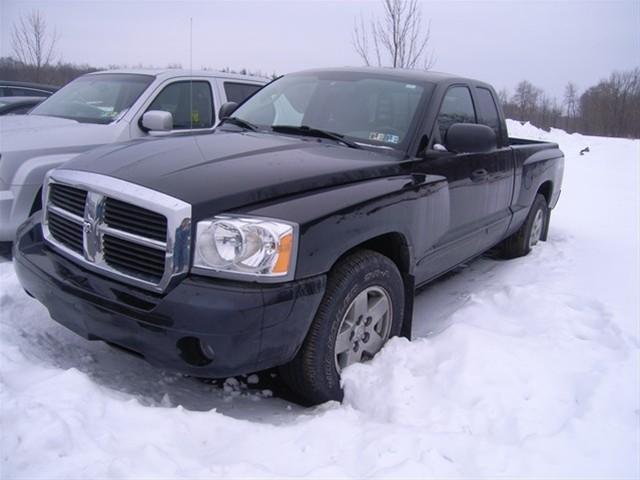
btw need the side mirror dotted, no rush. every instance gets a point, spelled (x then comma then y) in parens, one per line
(470, 138)
(226, 110)
(157, 121)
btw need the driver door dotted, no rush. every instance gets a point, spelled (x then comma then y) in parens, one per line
(467, 176)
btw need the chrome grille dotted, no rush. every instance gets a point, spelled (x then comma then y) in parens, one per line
(133, 258)
(65, 231)
(132, 219)
(124, 230)
(68, 198)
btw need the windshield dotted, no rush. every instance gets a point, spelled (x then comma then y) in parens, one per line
(366, 107)
(98, 98)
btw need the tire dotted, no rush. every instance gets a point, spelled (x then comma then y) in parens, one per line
(364, 276)
(533, 230)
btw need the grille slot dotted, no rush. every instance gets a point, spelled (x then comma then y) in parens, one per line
(65, 231)
(132, 219)
(68, 198)
(133, 258)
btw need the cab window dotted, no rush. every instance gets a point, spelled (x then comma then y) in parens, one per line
(488, 110)
(457, 107)
(238, 92)
(190, 104)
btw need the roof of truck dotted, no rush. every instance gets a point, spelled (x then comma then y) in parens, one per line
(400, 73)
(165, 73)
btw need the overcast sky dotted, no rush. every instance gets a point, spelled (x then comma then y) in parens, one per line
(502, 42)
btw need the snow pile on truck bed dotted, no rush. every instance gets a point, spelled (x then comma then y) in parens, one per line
(522, 368)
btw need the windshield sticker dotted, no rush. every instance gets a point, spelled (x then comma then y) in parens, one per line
(384, 137)
(412, 87)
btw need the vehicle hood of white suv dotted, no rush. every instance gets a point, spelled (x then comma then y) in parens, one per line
(32, 144)
(34, 132)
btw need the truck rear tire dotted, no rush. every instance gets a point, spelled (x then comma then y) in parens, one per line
(531, 232)
(362, 308)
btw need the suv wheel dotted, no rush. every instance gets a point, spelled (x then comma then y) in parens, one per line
(362, 308)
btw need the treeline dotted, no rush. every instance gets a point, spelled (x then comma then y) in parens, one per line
(611, 108)
(52, 74)
(62, 73)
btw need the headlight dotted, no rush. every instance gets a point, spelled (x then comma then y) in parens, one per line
(260, 247)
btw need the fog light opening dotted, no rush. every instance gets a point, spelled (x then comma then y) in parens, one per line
(195, 351)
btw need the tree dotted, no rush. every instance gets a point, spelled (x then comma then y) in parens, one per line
(503, 96)
(399, 39)
(526, 99)
(33, 43)
(571, 105)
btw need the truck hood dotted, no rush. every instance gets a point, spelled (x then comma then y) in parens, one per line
(34, 132)
(226, 170)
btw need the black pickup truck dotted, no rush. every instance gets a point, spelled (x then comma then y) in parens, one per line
(295, 234)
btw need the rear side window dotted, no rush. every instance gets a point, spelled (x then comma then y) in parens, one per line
(190, 103)
(238, 92)
(488, 110)
(26, 92)
(457, 107)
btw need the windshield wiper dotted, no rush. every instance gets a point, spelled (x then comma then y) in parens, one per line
(240, 123)
(314, 132)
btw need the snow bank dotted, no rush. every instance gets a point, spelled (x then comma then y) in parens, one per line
(522, 368)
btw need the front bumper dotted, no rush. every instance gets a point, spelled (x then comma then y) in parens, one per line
(248, 327)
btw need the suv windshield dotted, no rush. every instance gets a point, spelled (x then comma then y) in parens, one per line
(374, 109)
(98, 98)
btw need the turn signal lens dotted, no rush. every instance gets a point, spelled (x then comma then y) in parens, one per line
(284, 255)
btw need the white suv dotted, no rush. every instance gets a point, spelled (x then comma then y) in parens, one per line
(101, 108)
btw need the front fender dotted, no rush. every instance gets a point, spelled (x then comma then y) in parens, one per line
(33, 170)
(20, 191)
(334, 221)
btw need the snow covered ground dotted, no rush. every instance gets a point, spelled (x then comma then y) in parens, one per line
(528, 368)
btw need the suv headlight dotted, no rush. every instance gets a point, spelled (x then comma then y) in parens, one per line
(239, 246)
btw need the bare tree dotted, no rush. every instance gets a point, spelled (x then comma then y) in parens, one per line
(570, 103)
(526, 98)
(399, 39)
(33, 43)
(503, 96)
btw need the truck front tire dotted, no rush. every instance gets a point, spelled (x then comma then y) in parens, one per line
(362, 308)
(531, 232)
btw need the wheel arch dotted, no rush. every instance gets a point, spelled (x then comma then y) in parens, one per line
(37, 202)
(546, 190)
(395, 246)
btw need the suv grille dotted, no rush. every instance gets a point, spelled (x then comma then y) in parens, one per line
(101, 227)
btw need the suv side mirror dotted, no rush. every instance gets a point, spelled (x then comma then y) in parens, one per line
(470, 138)
(157, 121)
(226, 110)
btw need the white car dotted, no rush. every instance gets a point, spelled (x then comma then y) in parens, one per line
(101, 108)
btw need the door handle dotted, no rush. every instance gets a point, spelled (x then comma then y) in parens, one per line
(479, 175)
